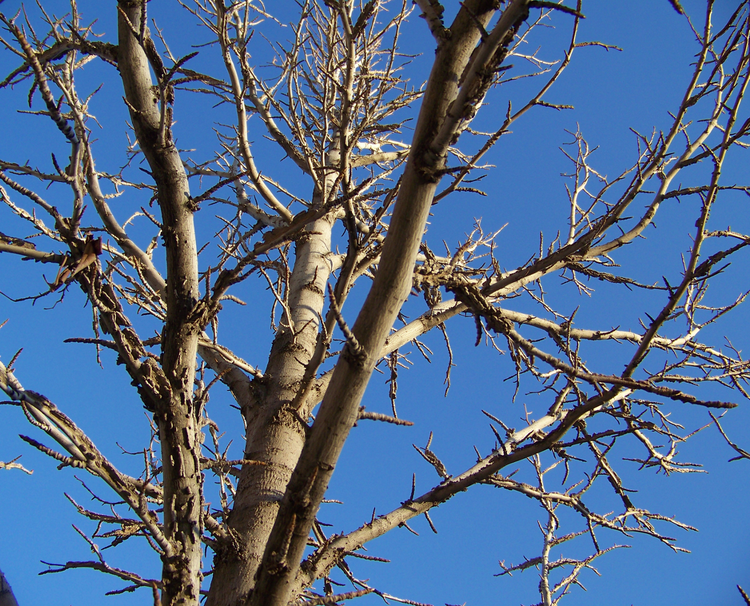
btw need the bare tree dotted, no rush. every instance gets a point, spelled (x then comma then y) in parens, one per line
(334, 100)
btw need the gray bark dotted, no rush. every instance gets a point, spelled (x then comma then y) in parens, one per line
(445, 102)
(176, 415)
(276, 426)
(275, 431)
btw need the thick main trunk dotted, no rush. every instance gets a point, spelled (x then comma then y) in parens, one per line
(275, 432)
(176, 417)
(454, 87)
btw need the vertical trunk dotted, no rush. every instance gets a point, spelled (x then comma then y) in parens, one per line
(176, 418)
(275, 432)
(440, 117)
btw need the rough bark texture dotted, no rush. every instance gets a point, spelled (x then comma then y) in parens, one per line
(176, 417)
(277, 581)
(275, 430)
(276, 425)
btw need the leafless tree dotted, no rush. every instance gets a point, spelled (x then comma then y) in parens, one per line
(334, 100)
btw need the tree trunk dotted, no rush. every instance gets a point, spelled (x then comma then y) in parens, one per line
(275, 431)
(176, 416)
(456, 85)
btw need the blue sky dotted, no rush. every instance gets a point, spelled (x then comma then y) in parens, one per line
(612, 92)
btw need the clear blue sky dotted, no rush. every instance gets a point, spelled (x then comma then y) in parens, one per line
(612, 92)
